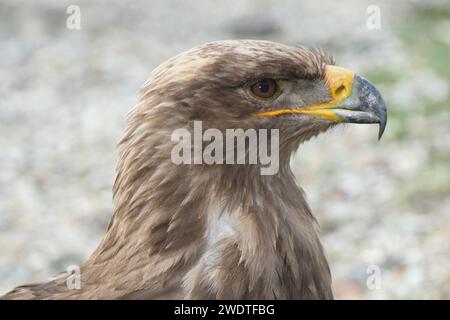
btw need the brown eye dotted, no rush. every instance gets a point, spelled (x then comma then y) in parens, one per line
(265, 88)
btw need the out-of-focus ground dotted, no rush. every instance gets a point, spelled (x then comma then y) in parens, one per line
(64, 96)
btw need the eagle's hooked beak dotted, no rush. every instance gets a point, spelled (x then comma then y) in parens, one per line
(354, 100)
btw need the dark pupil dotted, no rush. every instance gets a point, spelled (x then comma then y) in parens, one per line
(264, 87)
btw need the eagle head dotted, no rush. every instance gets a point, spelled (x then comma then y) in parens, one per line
(260, 84)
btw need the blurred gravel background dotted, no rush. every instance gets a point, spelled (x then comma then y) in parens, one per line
(64, 96)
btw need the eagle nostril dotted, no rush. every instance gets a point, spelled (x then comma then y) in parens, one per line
(340, 91)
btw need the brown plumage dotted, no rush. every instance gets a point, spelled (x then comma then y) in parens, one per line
(211, 231)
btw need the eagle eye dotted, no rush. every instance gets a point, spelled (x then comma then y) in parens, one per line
(265, 88)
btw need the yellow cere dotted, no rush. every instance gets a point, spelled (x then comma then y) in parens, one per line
(339, 81)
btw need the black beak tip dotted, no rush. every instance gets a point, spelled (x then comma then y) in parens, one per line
(381, 129)
(382, 116)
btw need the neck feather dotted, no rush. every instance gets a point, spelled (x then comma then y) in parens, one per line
(216, 231)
